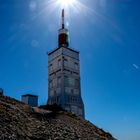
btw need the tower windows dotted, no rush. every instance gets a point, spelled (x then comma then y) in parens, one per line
(67, 90)
(51, 93)
(72, 91)
(76, 91)
(54, 82)
(74, 109)
(76, 83)
(66, 80)
(51, 84)
(76, 66)
(54, 92)
(59, 81)
(59, 63)
(51, 67)
(65, 62)
(71, 81)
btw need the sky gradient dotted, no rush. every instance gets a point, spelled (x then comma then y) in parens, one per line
(107, 34)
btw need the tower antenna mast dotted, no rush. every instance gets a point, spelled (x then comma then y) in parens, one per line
(63, 33)
(63, 18)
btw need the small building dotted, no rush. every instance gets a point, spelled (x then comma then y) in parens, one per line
(30, 99)
(1, 91)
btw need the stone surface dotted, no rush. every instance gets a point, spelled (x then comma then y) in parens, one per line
(19, 121)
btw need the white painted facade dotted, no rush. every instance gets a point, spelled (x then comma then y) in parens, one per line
(64, 80)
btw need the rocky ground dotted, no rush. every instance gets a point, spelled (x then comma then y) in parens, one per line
(19, 121)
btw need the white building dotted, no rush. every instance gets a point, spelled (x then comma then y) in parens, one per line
(64, 76)
(30, 99)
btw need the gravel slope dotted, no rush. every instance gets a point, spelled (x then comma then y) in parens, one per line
(19, 121)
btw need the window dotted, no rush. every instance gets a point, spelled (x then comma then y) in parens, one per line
(54, 92)
(51, 67)
(66, 90)
(65, 62)
(72, 91)
(59, 63)
(59, 81)
(76, 91)
(51, 93)
(76, 83)
(76, 66)
(51, 84)
(74, 109)
(54, 82)
(71, 81)
(66, 80)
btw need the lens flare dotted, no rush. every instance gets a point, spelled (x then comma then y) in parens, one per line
(66, 3)
(71, 7)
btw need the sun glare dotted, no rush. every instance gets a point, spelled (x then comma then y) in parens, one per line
(71, 7)
(66, 3)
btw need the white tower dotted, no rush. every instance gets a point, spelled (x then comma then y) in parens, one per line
(64, 75)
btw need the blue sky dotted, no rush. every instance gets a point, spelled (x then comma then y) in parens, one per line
(107, 34)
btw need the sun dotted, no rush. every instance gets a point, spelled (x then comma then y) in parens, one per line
(71, 7)
(66, 3)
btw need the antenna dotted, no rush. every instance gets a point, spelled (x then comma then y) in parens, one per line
(63, 34)
(63, 22)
